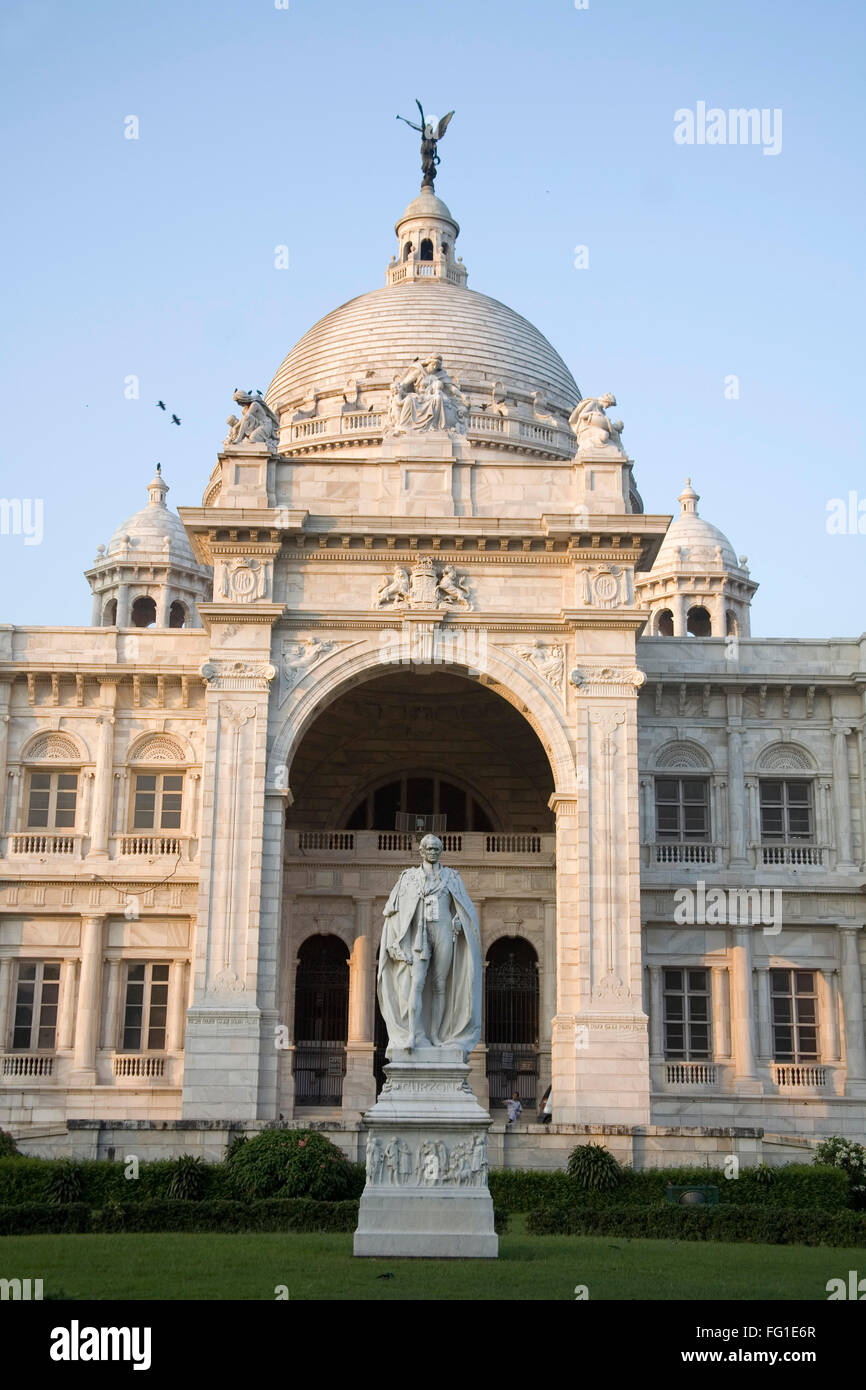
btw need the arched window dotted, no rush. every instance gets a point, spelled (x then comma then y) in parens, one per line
(407, 250)
(665, 623)
(321, 1020)
(732, 627)
(51, 800)
(426, 250)
(109, 613)
(511, 989)
(431, 795)
(698, 623)
(177, 614)
(143, 612)
(157, 786)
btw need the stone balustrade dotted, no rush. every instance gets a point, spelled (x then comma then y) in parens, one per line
(378, 845)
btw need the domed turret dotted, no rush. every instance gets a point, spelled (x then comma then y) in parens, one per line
(147, 575)
(697, 586)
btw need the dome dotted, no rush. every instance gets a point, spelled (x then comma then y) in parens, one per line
(427, 204)
(693, 543)
(379, 334)
(146, 532)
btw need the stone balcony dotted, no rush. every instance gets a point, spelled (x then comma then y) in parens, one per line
(484, 428)
(393, 846)
(55, 848)
(659, 856)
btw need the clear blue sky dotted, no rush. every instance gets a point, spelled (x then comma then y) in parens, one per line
(261, 126)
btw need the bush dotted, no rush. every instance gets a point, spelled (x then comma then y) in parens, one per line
(8, 1147)
(291, 1163)
(795, 1185)
(187, 1179)
(274, 1215)
(65, 1183)
(594, 1168)
(851, 1158)
(762, 1225)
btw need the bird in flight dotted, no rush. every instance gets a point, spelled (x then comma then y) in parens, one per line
(175, 419)
(161, 405)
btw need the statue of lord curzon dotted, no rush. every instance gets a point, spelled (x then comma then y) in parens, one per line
(430, 973)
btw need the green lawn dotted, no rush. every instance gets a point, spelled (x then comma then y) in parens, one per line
(322, 1267)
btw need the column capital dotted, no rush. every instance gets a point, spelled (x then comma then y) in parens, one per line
(563, 803)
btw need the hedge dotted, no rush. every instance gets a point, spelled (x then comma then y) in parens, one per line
(274, 1214)
(761, 1225)
(794, 1186)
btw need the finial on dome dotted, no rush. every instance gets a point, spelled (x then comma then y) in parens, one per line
(689, 499)
(157, 488)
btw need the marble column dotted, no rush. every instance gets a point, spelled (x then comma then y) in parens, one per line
(124, 606)
(100, 819)
(656, 1015)
(96, 611)
(547, 997)
(842, 797)
(66, 1011)
(176, 1006)
(851, 980)
(359, 1083)
(5, 1001)
(721, 1012)
(828, 1005)
(736, 797)
(89, 1000)
(477, 1059)
(163, 605)
(5, 695)
(113, 966)
(765, 1047)
(746, 1081)
(679, 607)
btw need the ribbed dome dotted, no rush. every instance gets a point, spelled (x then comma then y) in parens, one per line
(148, 529)
(383, 332)
(692, 542)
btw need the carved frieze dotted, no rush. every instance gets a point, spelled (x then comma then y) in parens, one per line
(238, 675)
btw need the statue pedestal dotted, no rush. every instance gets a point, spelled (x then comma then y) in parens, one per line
(426, 1192)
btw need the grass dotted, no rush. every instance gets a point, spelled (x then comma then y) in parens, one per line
(171, 1267)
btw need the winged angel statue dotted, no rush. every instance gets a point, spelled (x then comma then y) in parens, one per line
(431, 131)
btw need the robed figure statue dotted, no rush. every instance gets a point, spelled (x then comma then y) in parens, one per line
(430, 974)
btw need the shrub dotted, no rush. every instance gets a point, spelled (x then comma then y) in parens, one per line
(291, 1163)
(594, 1168)
(274, 1215)
(851, 1158)
(763, 1225)
(187, 1180)
(794, 1185)
(65, 1183)
(8, 1147)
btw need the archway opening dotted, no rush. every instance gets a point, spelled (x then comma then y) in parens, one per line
(665, 623)
(511, 1015)
(109, 613)
(177, 614)
(732, 627)
(426, 253)
(143, 612)
(699, 623)
(425, 743)
(321, 1020)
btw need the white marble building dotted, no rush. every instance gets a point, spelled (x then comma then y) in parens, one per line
(422, 582)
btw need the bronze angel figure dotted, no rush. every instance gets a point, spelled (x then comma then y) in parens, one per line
(431, 132)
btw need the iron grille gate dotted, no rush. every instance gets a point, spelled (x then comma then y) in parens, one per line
(512, 1029)
(321, 1022)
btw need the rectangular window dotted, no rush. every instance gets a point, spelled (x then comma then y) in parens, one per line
(34, 1026)
(51, 802)
(687, 1015)
(795, 1015)
(682, 808)
(158, 801)
(146, 1007)
(786, 811)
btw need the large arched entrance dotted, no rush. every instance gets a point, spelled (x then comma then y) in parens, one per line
(449, 750)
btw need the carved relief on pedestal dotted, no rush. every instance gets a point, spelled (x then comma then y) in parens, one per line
(244, 580)
(394, 1162)
(225, 982)
(604, 586)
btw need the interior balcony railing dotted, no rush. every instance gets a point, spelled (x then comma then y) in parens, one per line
(390, 845)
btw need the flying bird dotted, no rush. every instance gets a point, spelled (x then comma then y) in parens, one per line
(175, 419)
(161, 405)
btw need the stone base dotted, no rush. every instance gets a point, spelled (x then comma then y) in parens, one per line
(426, 1194)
